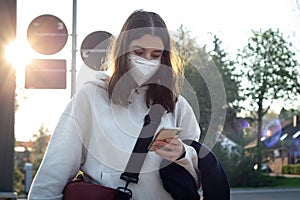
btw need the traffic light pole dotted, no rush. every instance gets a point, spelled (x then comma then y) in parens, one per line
(7, 100)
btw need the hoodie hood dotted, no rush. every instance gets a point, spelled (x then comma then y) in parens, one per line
(101, 79)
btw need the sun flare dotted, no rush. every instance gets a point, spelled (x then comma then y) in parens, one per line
(18, 54)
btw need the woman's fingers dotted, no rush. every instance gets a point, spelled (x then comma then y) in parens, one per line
(169, 149)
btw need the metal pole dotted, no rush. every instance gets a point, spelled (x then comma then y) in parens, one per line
(74, 46)
(28, 176)
(8, 20)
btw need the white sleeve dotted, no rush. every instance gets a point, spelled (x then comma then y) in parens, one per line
(187, 120)
(190, 163)
(191, 131)
(62, 158)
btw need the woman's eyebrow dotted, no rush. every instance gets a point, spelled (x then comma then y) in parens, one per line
(138, 47)
(143, 48)
(158, 51)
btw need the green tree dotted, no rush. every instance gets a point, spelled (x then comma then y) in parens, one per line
(39, 148)
(230, 78)
(271, 73)
(199, 59)
(195, 57)
(288, 115)
(229, 75)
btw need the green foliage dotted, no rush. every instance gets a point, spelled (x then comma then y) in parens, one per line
(228, 72)
(198, 68)
(276, 182)
(19, 179)
(288, 115)
(291, 169)
(239, 169)
(40, 144)
(232, 85)
(39, 148)
(243, 174)
(229, 162)
(195, 58)
(203, 97)
(281, 182)
(258, 179)
(269, 67)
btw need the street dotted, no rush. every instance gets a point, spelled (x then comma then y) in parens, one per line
(265, 194)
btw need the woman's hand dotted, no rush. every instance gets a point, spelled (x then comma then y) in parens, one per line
(169, 149)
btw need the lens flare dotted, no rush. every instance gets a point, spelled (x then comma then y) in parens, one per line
(271, 133)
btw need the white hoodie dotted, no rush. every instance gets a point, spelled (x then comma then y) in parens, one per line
(108, 132)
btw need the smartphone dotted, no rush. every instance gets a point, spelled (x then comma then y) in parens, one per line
(166, 133)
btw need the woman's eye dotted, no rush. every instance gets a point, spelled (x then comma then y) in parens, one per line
(156, 55)
(139, 53)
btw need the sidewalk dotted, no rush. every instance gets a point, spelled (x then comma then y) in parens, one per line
(257, 190)
(285, 175)
(265, 194)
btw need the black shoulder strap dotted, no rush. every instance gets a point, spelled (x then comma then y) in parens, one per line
(139, 152)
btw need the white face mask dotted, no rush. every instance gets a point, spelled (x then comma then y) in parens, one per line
(142, 69)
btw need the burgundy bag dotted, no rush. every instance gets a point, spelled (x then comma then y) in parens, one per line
(79, 189)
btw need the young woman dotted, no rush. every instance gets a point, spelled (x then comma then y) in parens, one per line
(98, 130)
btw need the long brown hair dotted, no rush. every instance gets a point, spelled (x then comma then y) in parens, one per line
(163, 86)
